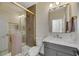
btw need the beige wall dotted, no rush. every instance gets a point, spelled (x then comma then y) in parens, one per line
(42, 19)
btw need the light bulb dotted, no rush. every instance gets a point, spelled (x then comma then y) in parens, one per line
(51, 5)
(57, 3)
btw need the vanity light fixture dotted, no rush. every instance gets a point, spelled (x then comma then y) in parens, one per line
(57, 5)
(54, 4)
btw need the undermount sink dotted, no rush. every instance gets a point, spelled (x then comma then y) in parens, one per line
(57, 36)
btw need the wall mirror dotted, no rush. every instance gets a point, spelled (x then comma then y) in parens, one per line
(57, 19)
(60, 19)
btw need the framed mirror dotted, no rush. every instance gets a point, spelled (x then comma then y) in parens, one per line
(61, 19)
(57, 19)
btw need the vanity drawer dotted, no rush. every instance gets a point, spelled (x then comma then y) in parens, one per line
(61, 48)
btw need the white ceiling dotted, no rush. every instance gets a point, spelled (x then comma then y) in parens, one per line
(27, 4)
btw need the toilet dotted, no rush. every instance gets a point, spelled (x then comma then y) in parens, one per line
(34, 51)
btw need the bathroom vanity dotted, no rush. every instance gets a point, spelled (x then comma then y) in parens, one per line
(52, 49)
(59, 47)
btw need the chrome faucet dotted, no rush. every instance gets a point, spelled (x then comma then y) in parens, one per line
(57, 36)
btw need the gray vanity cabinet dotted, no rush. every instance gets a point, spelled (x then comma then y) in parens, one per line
(62, 54)
(50, 52)
(51, 49)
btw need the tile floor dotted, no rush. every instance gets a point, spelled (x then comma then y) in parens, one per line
(25, 49)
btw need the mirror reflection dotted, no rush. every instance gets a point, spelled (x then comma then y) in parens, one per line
(12, 23)
(61, 20)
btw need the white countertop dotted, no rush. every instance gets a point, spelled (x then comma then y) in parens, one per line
(61, 42)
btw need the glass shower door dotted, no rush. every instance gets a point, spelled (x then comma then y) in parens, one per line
(4, 39)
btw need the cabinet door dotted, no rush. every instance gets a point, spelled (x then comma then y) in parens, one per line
(49, 52)
(63, 54)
